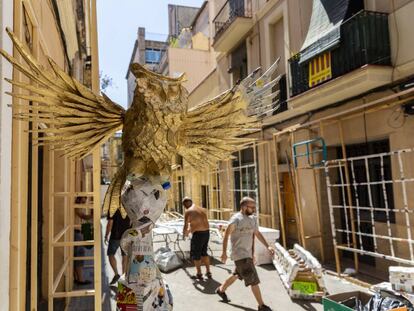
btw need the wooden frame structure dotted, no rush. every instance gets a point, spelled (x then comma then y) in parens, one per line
(219, 182)
(91, 190)
(338, 118)
(294, 173)
(399, 180)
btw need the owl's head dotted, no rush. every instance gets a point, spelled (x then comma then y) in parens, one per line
(159, 92)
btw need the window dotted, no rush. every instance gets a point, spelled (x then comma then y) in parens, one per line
(152, 56)
(205, 196)
(354, 7)
(245, 175)
(181, 189)
(371, 193)
(359, 175)
(239, 63)
(179, 160)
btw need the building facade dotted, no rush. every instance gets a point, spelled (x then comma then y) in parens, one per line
(6, 11)
(344, 112)
(36, 230)
(190, 46)
(145, 52)
(179, 17)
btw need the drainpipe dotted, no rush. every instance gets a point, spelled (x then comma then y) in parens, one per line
(62, 34)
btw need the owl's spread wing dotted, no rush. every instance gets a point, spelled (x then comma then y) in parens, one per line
(75, 119)
(260, 91)
(212, 131)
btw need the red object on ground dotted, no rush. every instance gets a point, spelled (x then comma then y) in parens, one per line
(125, 299)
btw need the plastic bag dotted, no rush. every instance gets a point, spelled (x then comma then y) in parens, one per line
(167, 260)
(387, 300)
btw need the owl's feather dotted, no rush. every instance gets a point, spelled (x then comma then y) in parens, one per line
(213, 130)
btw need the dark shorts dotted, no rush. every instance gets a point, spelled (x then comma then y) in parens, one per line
(113, 246)
(246, 271)
(199, 244)
(79, 250)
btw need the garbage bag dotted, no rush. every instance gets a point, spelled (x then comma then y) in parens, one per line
(386, 300)
(167, 260)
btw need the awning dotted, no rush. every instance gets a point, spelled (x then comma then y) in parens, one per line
(324, 28)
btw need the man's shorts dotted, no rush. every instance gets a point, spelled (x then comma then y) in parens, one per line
(246, 271)
(199, 244)
(113, 246)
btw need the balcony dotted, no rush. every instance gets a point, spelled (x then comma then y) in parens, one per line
(364, 40)
(231, 24)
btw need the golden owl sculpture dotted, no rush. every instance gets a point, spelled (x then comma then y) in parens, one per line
(156, 127)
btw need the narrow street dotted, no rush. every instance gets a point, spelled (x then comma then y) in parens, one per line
(304, 108)
(197, 295)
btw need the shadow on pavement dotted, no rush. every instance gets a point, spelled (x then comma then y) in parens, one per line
(239, 307)
(207, 286)
(268, 267)
(306, 305)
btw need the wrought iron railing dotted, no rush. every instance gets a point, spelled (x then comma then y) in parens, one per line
(364, 40)
(229, 12)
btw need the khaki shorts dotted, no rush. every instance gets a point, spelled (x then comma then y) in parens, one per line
(246, 271)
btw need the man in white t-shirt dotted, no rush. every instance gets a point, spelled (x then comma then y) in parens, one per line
(242, 228)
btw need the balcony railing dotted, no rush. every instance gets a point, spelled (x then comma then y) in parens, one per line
(229, 12)
(364, 40)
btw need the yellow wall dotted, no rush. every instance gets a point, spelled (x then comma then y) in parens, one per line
(46, 41)
(179, 60)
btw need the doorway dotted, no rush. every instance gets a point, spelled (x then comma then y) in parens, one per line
(292, 235)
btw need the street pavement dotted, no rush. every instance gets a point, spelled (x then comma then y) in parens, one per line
(198, 295)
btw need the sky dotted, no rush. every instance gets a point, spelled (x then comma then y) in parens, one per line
(118, 22)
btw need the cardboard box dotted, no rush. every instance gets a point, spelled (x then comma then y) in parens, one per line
(333, 302)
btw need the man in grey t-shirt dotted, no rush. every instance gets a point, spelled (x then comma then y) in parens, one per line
(242, 228)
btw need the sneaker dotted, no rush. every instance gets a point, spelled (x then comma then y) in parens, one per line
(209, 275)
(115, 279)
(264, 308)
(197, 277)
(222, 295)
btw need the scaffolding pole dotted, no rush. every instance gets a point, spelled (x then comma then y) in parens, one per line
(349, 194)
(279, 195)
